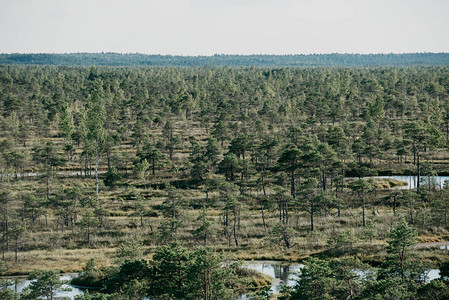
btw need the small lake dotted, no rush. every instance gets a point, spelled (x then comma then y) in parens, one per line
(412, 181)
(433, 274)
(66, 290)
(281, 272)
(287, 273)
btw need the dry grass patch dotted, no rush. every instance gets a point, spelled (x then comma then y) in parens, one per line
(64, 260)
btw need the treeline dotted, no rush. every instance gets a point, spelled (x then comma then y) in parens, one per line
(297, 60)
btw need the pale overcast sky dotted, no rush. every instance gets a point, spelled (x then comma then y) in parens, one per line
(205, 27)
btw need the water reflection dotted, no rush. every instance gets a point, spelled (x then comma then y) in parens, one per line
(281, 272)
(18, 284)
(412, 181)
(445, 247)
(287, 274)
(433, 274)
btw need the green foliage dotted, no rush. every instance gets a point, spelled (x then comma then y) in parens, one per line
(199, 171)
(370, 231)
(97, 296)
(212, 151)
(388, 288)
(204, 231)
(153, 155)
(129, 250)
(436, 289)
(89, 223)
(361, 187)
(96, 116)
(169, 266)
(264, 129)
(141, 169)
(8, 294)
(444, 270)
(325, 279)
(283, 234)
(401, 261)
(112, 177)
(131, 273)
(66, 123)
(180, 274)
(205, 278)
(91, 276)
(343, 243)
(290, 159)
(229, 166)
(264, 294)
(48, 156)
(44, 284)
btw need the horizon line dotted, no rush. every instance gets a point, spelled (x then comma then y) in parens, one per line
(223, 54)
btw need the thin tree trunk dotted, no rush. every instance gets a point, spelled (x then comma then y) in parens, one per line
(235, 229)
(48, 186)
(363, 211)
(293, 184)
(419, 173)
(6, 225)
(263, 181)
(96, 175)
(394, 205)
(263, 218)
(16, 257)
(312, 210)
(88, 234)
(445, 217)
(153, 167)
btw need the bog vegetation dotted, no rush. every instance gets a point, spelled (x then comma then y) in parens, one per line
(127, 172)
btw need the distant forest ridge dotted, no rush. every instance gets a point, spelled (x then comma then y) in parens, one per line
(300, 60)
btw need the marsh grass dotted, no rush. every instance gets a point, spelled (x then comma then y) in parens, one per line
(44, 246)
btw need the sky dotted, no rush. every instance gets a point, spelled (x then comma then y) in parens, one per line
(207, 27)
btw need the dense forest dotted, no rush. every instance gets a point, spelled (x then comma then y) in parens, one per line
(156, 180)
(308, 60)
